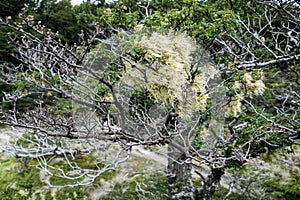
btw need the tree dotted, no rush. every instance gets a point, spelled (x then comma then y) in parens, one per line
(58, 71)
(12, 9)
(183, 110)
(59, 17)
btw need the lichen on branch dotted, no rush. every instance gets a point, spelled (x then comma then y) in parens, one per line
(165, 69)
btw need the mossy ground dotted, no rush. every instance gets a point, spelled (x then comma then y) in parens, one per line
(20, 179)
(23, 182)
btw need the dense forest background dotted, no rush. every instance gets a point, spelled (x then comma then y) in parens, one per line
(225, 94)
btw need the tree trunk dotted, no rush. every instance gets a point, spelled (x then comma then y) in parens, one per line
(208, 189)
(179, 174)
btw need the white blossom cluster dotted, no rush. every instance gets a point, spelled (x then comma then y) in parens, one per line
(167, 75)
(248, 87)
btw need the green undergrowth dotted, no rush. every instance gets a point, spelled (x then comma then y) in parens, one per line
(287, 189)
(141, 186)
(274, 175)
(221, 192)
(84, 162)
(20, 180)
(17, 182)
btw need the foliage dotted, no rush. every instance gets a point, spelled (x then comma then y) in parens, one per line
(13, 7)
(59, 17)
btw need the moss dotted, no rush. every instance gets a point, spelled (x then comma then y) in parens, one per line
(17, 181)
(71, 193)
(8, 172)
(29, 179)
(141, 187)
(84, 162)
(221, 192)
(197, 182)
(48, 196)
(11, 194)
